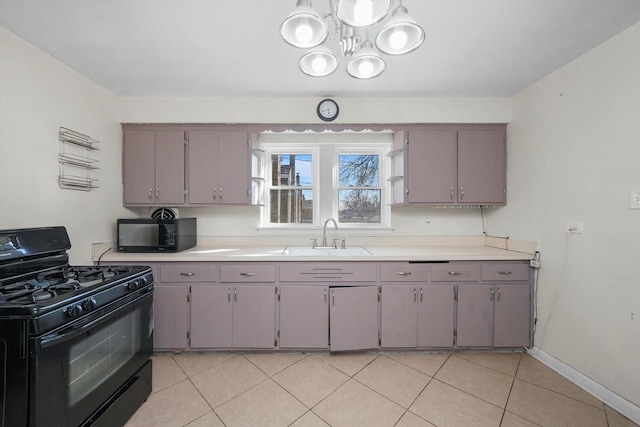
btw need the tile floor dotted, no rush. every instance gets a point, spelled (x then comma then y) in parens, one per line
(365, 389)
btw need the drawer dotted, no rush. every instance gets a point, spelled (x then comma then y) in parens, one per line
(188, 272)
(248, 273)
(454, 272)
(329, 272)
(505, 271)
(404, 272)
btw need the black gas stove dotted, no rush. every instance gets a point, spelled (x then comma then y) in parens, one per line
(77, 339)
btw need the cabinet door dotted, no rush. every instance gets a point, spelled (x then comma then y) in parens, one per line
(169, 167)
(512, 316)
(432, 166)
(254, 316)
(353, 316)
(482, 166)
(203, 166)
(138, 156)
(475, 315)
(398, 316)
(436, 315)
(304, 317)
(233, 176)
(211, 321)
(170, 316)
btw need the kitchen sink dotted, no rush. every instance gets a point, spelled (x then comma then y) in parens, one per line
(320, 251)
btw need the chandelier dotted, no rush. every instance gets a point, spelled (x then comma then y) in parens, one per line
(304, 28)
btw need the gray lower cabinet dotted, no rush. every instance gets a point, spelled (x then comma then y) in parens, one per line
(436, 316)
(353, 318)
(304, 317)
(171, 316)
(496, 314)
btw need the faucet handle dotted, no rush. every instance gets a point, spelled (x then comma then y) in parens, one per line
(335, 243)
(314, 243)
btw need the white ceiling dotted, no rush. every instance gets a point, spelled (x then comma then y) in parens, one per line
(233, 48)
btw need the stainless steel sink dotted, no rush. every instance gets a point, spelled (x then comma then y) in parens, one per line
(320, 251)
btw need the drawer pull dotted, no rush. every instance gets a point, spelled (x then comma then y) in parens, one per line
(248, 274)
(404, 273)
(506, 273)
(188, 274)
(454, 273)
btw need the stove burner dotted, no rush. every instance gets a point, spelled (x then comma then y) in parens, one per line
(84, 274)
(69, 286)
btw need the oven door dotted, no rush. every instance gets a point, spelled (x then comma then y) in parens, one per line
(94, 368)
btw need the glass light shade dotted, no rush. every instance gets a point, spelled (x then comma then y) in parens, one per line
(400, 35)
(366, 63)
(304, 28)
(318, 63)
(362, 13)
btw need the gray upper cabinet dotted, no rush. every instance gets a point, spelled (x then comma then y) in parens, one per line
(153, 167)
(482, 166)
(218, 167)
(455, 166)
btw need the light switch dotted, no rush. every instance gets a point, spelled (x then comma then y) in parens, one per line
(634, 198)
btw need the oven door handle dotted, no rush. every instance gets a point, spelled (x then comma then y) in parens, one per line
(72, 331)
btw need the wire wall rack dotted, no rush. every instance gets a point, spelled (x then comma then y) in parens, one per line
(76, 160)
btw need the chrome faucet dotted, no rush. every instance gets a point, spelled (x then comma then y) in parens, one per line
(324, 233)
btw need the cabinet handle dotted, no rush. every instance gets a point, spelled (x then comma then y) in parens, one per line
(506, 273)
(248, 274)
(421, 295)
(214, 193)
(235, 295)
(454, 273)
(492, 294)
(229, 295)
(157, 194)
(220, 193)
(150, 194)
(188, 274)
(461, 193)
(404, 273)
(451, 189)
(498, 298)
(333, 297)
(325, 296)
(415, 295)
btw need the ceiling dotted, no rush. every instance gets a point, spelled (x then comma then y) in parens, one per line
(232, 48)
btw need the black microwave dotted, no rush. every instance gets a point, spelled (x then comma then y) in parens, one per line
(156, 235)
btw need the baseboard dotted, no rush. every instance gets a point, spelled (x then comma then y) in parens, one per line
(618, 403)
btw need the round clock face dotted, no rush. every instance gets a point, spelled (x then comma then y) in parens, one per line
(328, 110)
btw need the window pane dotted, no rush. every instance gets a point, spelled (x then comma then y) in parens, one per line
(291, 206)
(291, 169)
(359, 170)
(359, 206)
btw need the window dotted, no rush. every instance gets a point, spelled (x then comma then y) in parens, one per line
(315, 177)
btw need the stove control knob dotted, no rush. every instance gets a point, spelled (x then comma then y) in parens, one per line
(74, 310)
(133, 285)
(89, 304)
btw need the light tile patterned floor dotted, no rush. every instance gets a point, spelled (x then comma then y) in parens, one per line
(365, 389)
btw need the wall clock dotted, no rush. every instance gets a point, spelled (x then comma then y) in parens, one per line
(328, 110)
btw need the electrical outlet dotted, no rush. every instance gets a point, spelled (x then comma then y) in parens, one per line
(574, 228)
(428, 221)
(634, 198)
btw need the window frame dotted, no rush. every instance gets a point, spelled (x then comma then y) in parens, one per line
(325, 184)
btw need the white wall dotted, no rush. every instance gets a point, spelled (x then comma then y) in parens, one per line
(38, 94)
(574, 153)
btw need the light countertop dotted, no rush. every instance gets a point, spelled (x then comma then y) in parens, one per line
(443, 249)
